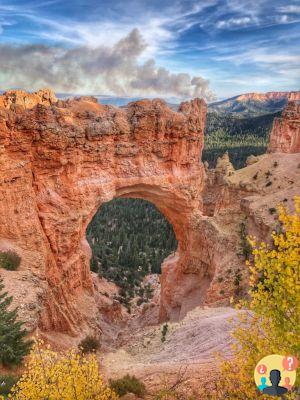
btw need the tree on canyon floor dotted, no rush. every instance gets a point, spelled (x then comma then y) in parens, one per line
(272, 326)
(13, 345)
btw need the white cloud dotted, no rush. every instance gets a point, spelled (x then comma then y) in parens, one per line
(291, 9)
(235, 22)
(267, 56)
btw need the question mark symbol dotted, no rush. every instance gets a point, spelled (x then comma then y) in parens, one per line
(261, 369)
(290, 362)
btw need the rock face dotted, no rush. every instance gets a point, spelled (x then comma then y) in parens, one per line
(60, 160)
(285, 135)
(14, 98)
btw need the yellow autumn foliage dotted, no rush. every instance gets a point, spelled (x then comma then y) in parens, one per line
(53, 376)
(270, 320)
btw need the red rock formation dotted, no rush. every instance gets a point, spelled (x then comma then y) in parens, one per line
(14, 98)
(285, 134)
(290, 96)
(60, 160)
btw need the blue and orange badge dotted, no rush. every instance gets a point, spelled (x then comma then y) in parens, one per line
(275, 374)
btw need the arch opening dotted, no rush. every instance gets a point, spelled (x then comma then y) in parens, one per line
(185, 277)
(129, 239)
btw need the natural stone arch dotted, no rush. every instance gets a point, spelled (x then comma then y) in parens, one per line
(63, 159)
(181, 212)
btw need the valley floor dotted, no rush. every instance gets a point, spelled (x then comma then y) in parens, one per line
(189, 351)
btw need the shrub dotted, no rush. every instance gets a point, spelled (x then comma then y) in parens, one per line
(6, 383)
(272, 210)
(140, 301)
(89, 344)
(128, 384)
(164, 332)
(57, 376)
(9, 260)
(244, 244)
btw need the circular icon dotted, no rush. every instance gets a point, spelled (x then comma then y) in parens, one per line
(290, 363)
(276, 374)
(261, 369)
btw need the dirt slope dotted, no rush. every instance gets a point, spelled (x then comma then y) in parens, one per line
(190, 344)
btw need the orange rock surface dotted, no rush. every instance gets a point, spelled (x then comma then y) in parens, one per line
(285, 134)
(60, 160)
(270, 96)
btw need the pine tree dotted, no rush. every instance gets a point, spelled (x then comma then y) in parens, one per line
(13, 346)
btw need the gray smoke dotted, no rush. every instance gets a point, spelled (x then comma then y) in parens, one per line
(115, 70)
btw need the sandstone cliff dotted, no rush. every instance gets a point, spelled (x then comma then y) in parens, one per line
(285, 135)
(269, 96)
(60, 160)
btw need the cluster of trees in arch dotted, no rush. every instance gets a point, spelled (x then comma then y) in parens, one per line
(129, 238)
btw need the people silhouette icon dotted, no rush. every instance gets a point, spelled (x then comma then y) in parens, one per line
(275, 389)
(287, 383)
(263, 384)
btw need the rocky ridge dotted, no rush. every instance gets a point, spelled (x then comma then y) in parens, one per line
(290, 96)
(254, 104)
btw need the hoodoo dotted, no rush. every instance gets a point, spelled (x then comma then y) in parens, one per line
(285, 135)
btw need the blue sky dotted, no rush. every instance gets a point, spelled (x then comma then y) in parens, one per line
(146, 48)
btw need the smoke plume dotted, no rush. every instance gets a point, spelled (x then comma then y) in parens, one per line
(112, 70)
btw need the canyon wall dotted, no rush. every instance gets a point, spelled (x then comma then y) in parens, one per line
(60, 160)
(285, 134)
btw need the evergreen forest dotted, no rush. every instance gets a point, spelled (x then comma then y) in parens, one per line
(240, 136)
(129, 238)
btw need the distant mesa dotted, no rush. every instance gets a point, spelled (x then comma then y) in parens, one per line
(269, 96)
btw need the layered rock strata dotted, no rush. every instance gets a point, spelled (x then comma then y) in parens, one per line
(60, 160)
(285, 134)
